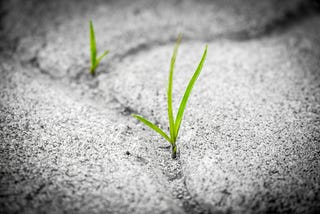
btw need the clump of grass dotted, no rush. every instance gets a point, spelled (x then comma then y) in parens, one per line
(174, 123)
(93, 49)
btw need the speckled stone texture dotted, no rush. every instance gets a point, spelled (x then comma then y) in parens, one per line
(249, 141)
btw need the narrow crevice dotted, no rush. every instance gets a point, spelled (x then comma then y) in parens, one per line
(34, 62)
(173, 171)
(141, 47)
(133, 51)
(122, 108)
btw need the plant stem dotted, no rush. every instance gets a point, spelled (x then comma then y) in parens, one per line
(174, 151)
(92, 72)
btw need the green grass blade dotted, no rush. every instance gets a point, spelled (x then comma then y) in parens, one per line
(93, 48)
(169, 92)
(188, 91)
(100, 57)
(152, 126)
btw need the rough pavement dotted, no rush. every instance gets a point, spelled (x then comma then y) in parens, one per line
(249, 141)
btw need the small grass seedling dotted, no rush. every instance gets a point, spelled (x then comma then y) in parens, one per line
(93, 49)
(174, 123)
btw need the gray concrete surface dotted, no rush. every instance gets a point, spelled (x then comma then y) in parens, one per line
(249, 142)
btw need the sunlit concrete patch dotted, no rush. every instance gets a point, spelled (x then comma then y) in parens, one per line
(250, 141)
(63, 154)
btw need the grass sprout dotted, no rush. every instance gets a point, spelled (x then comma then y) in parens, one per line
(93, 50)
(175, 123)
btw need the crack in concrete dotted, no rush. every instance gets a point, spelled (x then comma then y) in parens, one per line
(34, 62)
(178, 188)
(123, 109)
